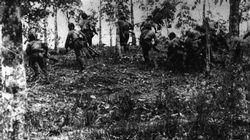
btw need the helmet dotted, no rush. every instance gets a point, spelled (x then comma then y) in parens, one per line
(172, 35)
(71, 26)
(122, 17)
(83, 15)
(149, 17)
(32, 36)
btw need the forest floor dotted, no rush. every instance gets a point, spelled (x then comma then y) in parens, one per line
(85, 105)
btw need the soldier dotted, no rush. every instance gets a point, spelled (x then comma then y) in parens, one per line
(88, 29)
(176, 52)
(147, 38)
(78, 42)
(124, 28)
(37, 52)
(147, 23)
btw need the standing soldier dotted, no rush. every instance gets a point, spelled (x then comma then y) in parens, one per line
(124, 27)
(37, 52)
(88, 29)
(148, 41)
(148, 22)
(78, 42)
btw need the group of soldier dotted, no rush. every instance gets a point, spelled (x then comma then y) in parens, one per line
(78, 41)
(187, 51)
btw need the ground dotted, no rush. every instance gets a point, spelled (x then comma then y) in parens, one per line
(111, 92)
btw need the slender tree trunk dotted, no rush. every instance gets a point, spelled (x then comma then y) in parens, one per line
(118, 44)
(13, 95)
(234, 17)
(132, 22)
(45, 24)
(56, 29)
(100, 23)
(208, 48)
(110, 34)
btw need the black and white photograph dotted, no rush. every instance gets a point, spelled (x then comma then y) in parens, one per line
(125, 70)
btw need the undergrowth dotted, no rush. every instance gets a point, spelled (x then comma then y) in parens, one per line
(117, 100)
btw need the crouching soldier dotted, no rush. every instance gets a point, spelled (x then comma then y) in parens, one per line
(148, 42)
(37, 53)
(176, 53)
(77, 41)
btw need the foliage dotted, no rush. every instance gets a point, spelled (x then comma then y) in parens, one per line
(114, 9)
(165, 12)
(185, 20)
(117, 99)
(35, 10)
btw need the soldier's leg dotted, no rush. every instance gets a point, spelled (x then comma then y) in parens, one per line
(79, 60)
(145, 51)
(90, 41)
(125, 41)
(32, 64)
(43, 66)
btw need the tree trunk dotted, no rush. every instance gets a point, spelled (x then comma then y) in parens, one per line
(110, 34)
(56, 29)
(208, 46)
(100, 23)
(234, 17)
(118, 44)
(13, 95)
(132, 22)
(45, 24)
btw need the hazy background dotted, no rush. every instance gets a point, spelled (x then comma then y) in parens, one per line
(218, 12)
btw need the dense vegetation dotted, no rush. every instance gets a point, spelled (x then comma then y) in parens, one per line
(117, 98)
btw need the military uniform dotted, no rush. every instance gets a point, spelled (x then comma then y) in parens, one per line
(88, 28)
(37, 53)
(78, 42)
(124, 28)
(146, 41)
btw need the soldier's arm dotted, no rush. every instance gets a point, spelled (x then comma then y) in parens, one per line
(67, 43)
(28, 50)
(142, 25)
(94, 30)
(156, 43)
(246, 35)
(46, 49)
(131, 27)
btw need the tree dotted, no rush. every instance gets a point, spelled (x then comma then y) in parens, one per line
(56, 31)
(13, 73)
(45, 23)
(234, 17)
(132, 22)
(166, 11)
(13, 95)
(110, 33)
(44, 10)
(114, 9)
(208, 48)
(58, 4)
(100, 23)
(118, 44)
(184, 17)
